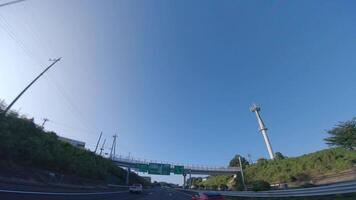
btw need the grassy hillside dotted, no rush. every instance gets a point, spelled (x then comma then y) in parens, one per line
(25, 144)
(329, 161)
(302, 168)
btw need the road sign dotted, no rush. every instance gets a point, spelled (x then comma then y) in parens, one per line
(178, 169)
(142, 167)
(166, 169)
(155, 168)
(159, 169)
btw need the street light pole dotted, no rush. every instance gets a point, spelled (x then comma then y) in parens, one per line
(29, 85)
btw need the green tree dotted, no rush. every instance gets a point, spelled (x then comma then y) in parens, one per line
(343, 135)
(279, 156)
(235, 161)
(262, 161)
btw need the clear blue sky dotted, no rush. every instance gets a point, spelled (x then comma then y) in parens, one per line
(175, 79)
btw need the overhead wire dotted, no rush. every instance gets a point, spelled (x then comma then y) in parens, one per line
(71, 105)
(9, 30)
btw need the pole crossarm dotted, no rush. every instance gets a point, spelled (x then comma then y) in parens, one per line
(29, 85)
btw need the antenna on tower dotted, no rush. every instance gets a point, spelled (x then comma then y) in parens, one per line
(262, 128)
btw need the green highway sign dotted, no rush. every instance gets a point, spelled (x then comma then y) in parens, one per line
(166, 169)
(178, 169)
(142, 167)
(159, 169)
(154, 168)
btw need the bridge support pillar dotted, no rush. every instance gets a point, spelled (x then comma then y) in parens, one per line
(128, 176)
(184, 180)
(190, 179)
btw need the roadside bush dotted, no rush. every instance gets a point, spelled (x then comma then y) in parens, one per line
(260, 186)
(223, 187)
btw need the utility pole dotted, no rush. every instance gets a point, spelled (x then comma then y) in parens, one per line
(44, 122)
(256, 109)
(29, 85)
(128, 176)
(113, 147)
(242, 174)
(97, 144)
(102, 147)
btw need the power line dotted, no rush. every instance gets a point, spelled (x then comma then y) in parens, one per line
(70, 127)
(70, 105)
(29, 85)
(11, 2)
(9, 30)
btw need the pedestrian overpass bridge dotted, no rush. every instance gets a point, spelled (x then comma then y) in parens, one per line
(131, 163)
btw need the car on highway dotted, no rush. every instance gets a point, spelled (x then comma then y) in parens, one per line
(208, 196)
(135, 188)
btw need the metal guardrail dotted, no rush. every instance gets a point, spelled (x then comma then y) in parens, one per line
(340, 188)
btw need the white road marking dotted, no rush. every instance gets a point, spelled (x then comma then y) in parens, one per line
(61, 193)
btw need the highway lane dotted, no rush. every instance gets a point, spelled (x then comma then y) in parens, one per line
(152, 194)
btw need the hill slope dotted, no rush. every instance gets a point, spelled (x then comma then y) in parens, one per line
(25, 146)
(298, 169)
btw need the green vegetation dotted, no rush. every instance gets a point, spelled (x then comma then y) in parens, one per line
(260, 186)
(329, 161)
(235, 161)
(300, 169)
(25, 144)
(330, 197)
(279, 156)
(213, 182)
(343, 135)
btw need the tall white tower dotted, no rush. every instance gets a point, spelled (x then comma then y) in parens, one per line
(256, 109)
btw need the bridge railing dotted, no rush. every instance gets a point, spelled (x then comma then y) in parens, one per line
(132, 160)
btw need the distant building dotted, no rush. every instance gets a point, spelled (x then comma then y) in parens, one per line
(75, 143)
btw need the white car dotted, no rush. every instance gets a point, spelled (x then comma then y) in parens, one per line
(135, 188)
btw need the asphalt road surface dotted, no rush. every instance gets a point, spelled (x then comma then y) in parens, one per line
(151, 194)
